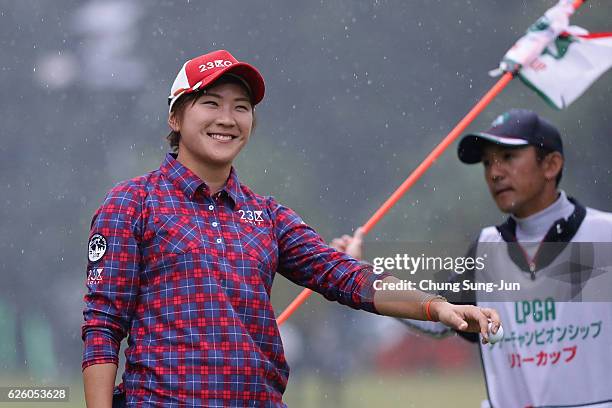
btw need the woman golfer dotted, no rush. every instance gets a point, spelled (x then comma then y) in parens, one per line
(182, 261)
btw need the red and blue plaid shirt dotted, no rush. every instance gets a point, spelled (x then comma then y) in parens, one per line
(188, 276)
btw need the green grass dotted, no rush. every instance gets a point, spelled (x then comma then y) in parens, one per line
(457, 390)
(406, 390)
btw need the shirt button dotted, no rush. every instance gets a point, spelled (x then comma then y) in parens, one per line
(211, 207)
(219, 240)
(215, 223)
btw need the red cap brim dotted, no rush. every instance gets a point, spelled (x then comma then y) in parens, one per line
(247, 72)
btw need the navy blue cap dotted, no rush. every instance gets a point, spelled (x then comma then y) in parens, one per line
(515, 128)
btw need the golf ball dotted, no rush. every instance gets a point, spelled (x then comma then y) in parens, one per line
(494, 338)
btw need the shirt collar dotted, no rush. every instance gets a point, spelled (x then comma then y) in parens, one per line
(561, 231)
(534, 227)
(189, 183)
(232, 187)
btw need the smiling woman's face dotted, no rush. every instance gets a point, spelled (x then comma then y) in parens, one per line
(216, 127)
(516, 179)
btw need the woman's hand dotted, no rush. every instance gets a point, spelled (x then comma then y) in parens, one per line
(466, 318)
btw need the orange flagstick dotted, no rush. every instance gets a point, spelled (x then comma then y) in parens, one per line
(418, 172)
(414, 176)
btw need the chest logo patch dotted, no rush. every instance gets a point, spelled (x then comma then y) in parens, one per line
(97, 247)
(251, 217)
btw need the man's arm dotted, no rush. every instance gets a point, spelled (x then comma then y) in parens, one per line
(99, 381)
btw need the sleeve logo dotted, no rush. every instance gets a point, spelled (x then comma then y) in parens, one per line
(94, 276)
(97, 247)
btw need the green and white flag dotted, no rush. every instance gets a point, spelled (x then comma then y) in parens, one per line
(557, 60)
(568, 66)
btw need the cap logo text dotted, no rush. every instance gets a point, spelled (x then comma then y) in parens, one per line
(215, 64)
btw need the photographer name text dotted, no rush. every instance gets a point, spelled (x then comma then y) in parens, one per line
(455, 287)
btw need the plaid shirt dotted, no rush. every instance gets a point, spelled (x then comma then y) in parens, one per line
(188, 276)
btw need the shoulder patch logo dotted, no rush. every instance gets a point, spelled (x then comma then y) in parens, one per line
(97, 247)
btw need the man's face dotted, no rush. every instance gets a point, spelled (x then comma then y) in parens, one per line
(216, 127)
(516, 179)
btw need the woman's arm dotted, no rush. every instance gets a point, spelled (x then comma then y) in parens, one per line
(99, 381)
(307, 260)
(409, 304)
(413, 304)
(113, 276)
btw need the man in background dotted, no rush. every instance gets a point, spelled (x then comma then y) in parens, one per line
(555, 352)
